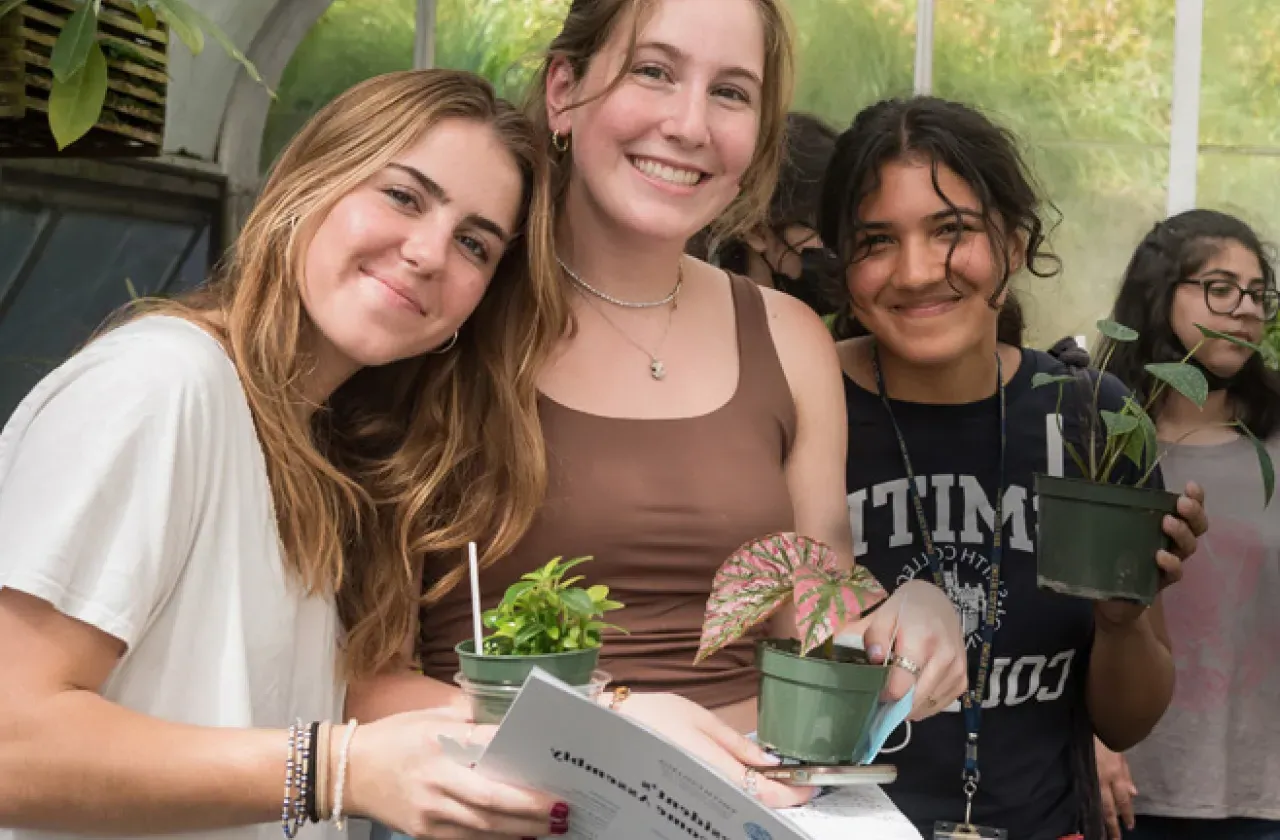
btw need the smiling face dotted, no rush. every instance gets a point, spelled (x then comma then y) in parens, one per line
(663, 154)
(1229, 268)
(898, 279)
(403, 259)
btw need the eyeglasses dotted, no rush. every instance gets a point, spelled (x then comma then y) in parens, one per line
(1223, 297)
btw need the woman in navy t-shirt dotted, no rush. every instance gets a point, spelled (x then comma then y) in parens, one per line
(929, 207)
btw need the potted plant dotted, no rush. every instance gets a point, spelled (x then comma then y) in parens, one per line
(1098, 538)
(817, 698)
(543, 621)
(93, 71)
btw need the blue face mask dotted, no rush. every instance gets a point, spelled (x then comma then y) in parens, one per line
(888, 717)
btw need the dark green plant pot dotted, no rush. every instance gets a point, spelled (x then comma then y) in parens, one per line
(1099, 541)
(814, 709)
(574, 667)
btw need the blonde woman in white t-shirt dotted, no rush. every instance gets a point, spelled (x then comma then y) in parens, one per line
(206, 513)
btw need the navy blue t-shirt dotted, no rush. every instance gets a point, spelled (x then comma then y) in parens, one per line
(1034, 724)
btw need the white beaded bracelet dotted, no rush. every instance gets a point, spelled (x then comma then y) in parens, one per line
(339, 821)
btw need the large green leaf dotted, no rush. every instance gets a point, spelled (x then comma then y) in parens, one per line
(72, 47)
(1118, 424)
(1116, 331)
(1183, 378)
(196, 18)
(146, 15)
(1264, 464)
(7, 6)
(74, 105)
(183, 22)
(577, 602)
(1140, 448)
(1208, 333)
(1042, 378)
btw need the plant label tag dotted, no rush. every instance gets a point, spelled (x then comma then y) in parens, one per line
(964, 831)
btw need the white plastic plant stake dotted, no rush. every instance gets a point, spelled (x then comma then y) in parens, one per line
(475, 596)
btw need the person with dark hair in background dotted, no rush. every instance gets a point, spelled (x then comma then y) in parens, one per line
(1211, 767)
(784, 252)
(931, 210)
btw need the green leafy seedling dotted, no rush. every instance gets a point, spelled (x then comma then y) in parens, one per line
(1131, 433)
(546, 612)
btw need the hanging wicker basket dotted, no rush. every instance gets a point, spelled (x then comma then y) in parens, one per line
(132, 119)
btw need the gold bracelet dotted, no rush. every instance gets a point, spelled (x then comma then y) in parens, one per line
(620, 694)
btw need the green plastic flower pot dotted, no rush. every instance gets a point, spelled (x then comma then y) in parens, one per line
(492, 682)
(1099, 541)
(814, 709)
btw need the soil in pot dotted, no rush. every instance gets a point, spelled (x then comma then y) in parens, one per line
(492, 682)
(1099, 541)
(815, 709)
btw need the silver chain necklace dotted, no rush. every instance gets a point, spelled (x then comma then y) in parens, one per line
(628, 304)
(657, 369)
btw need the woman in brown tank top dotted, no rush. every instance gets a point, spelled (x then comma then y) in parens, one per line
(688, 411)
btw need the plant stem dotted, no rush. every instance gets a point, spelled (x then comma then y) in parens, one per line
(1066, 444)
(1094, 417)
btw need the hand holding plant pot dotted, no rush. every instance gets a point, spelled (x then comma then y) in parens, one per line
(1104, 538)
(817, 698)
(543, 621)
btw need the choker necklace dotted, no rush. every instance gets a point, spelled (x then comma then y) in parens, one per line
(587, 287)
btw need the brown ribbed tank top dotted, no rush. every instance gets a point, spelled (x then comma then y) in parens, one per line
(659, 504)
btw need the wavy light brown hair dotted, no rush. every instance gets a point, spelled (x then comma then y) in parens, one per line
(588, 28)
(414, 457)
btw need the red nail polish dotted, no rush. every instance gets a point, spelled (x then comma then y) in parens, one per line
(559, 828)
(560, 812)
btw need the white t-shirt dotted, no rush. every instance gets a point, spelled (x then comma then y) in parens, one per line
(134, 497)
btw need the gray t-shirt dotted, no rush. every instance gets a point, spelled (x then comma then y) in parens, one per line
(1216, 751)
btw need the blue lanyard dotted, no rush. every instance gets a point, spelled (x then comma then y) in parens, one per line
(972, 699)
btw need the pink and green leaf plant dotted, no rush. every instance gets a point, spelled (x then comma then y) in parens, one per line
(763, 575)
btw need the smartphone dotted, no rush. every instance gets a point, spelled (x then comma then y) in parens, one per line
(830, 775)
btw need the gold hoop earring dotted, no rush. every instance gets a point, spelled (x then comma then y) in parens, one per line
(447, 346)
(560, 142)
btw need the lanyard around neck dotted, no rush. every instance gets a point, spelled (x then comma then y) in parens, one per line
(972, 699)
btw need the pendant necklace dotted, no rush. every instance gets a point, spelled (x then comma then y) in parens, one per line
(657, 369)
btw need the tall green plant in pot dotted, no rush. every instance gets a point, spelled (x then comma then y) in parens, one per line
(817, 698)
(545, 620)
(1098, 537)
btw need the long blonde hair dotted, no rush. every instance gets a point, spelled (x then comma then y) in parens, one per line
(587, 29)
(414, 457)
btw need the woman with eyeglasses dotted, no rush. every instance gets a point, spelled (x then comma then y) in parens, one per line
(1211, 767)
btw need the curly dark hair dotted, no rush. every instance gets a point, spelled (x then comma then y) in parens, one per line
(968, 143)
(1174, 250)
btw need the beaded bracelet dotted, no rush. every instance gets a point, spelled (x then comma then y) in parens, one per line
(302, 776)
(299, 779)
(286, 809)
(339, 820)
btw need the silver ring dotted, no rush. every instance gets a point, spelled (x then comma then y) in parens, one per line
(751, 782)
(906, 664)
